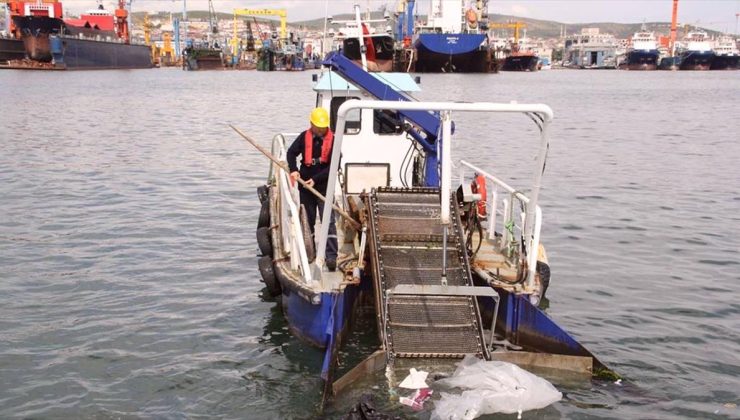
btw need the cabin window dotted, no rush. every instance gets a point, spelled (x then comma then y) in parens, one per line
(386, 122)
(352, 123)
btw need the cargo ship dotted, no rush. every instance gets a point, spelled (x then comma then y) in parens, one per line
(696, 52)
(521, 58)
(11, 45)
(726, 55)
(643, 54)
(453, 41)
(98, 39)
(11, 49)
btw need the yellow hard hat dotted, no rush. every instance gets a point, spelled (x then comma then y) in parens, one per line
(319, 117)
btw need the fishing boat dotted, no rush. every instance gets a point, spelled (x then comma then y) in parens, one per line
(350, 36)
(454, 265)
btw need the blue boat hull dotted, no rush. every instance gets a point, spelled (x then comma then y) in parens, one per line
(451, 53)
(527, 326)
(725, 62)
(641, 60)
(696, 60)
(85, 54)
(11, 49)
(520, 63)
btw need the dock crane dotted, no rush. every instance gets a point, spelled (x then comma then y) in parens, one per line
(282, 13)
(514, 25)
(674, 19)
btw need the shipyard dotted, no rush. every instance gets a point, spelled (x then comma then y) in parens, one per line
(369, 209)
(447, 38)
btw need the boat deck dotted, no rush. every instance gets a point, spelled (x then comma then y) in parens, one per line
(423, 313)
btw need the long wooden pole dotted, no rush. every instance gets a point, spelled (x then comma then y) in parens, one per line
(305, 185)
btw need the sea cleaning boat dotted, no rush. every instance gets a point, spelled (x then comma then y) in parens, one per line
(643, 52)
(452, 263)
(98, 39)
(453, 40)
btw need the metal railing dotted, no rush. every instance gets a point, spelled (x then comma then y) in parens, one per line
(291, 233)
(511, 227)
(540, 114)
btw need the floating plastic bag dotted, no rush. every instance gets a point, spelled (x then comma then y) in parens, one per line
(416, 380)
(492, 387)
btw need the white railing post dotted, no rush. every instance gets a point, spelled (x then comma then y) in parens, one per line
(446, 167)
(492, 212)
(293, 231)
(534, 248)
(505, 235)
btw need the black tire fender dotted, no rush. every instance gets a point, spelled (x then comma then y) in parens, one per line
(307, 238)
(264, 218)
(264, 241)
(267, 271)
(263, 192)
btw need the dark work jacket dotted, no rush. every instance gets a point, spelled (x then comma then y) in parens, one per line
(319, 172)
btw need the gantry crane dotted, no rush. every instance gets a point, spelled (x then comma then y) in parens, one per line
(514, 25)
(282, 13)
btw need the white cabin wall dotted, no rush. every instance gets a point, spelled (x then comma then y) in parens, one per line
(447, 14)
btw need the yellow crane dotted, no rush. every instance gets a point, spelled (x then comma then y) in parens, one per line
(514, 25)
(282, 13)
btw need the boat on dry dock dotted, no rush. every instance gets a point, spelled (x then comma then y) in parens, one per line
(453, 40)
(98, 39)
(453, 263)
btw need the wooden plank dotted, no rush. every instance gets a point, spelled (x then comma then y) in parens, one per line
(373, 363)
(579, 364)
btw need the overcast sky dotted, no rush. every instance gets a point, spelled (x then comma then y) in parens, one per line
(714, 14)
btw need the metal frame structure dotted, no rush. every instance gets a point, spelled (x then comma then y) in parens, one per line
(540, 113)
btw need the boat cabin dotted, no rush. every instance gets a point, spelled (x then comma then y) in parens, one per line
(376, 152)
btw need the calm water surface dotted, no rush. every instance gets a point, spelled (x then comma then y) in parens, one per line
(128, 263)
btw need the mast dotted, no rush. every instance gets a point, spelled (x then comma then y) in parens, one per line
(674, 18)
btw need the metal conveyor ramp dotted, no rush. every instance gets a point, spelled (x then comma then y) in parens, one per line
(419, 317)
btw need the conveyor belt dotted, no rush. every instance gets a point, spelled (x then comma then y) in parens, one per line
(425, 319)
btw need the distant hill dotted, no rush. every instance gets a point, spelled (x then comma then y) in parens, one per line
(535, 28)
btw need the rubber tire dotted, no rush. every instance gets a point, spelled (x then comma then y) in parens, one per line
(264, 241)
(267, 271)
(264, 219)
(544, 271)
(263, 193)
(307, 239)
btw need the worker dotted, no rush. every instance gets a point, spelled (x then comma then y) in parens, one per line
(315, 147)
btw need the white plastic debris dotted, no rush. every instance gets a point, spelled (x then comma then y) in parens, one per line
(417, 379)
(492, 387)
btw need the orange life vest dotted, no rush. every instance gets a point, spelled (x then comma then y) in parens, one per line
(308, 159)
